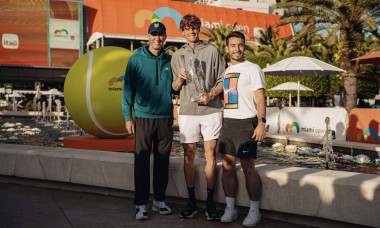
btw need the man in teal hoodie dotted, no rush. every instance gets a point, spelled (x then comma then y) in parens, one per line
(147, 88)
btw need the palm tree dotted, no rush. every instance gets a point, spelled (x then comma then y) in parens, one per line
(308, 45)
(268, 45)
(351, 18)
(217, 37)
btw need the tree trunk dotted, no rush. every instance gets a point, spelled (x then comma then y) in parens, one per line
(350, 77)
(350, 84)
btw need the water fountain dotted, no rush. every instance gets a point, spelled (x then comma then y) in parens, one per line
(58, 102)
(49, 108)
(43, 111)
(34, 103)
(327, 146)
(38, 111)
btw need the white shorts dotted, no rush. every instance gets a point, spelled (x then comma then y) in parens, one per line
(191, 126)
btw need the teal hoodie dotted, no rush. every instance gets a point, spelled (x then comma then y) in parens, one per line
(148, 86)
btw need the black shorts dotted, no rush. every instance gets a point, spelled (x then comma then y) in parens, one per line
(236, 138)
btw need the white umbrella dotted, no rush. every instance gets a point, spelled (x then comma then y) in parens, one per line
(301, 66)
(290, 86)
(16, 94)
(53, 92)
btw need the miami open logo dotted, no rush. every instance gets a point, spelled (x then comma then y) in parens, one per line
(116, 83)
(63, 34)
(371, 131)
(158, 15)
(289, 127)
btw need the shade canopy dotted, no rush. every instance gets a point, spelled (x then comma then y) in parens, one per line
(16, 94)
(371, 58)
(53, 92)
(301, 66)
(290, 86)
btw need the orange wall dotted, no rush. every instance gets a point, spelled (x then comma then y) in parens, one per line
(364, 126)
(134, 17)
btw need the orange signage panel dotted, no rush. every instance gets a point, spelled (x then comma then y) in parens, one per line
(134, 17)
(40, 32)
(364, 126)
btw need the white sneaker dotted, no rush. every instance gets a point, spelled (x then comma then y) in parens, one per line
(141, 212)
(253, 218)
(230, 214)
(161, 207)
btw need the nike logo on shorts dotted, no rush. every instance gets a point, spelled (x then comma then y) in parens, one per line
(245, 151)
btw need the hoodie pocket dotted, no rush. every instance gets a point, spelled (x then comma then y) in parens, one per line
(154, 102)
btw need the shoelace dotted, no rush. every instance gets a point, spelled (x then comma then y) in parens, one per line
(161, 204)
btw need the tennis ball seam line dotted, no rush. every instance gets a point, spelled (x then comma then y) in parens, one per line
(88, 98)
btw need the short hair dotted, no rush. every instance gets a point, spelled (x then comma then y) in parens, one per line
(190, 20)
(236, 34)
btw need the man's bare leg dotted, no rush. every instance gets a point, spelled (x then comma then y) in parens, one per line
(210, 168)
(229, 179)
(191, 208)
(189, 151)
(252, 179)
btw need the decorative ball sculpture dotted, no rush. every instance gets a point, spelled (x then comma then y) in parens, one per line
(93, 90)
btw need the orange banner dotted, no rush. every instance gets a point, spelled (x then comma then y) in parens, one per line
(364, 126)
(134, 17)
(25, 35)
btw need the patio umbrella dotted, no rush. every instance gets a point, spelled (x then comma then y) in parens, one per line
(290, 86)
(16, 94)
(53, 92)
(371, 58)
(301, 66)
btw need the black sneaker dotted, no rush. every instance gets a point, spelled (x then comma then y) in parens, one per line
(190, 211)
(211, 213)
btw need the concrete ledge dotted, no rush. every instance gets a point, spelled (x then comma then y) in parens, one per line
(341, 196)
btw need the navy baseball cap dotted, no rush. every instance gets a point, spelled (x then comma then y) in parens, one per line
(157, 27)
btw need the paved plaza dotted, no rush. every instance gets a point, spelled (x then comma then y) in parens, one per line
(28, 206)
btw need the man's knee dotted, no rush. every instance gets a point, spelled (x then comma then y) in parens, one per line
(248, 165)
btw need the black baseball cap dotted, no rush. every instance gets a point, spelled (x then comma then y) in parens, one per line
(157, 27)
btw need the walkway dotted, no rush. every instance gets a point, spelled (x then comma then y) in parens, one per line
(28, 206)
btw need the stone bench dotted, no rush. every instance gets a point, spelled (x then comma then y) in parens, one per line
(336, 195)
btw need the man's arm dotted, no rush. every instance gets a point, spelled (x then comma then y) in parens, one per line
(177, 83)
(128, 95)
(259, 133)
(211, 95)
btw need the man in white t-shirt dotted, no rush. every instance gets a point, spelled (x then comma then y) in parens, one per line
(243, 126)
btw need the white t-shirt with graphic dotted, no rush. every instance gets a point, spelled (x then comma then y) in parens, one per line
(240, 82)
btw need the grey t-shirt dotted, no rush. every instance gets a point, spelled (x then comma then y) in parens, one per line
(209, 65)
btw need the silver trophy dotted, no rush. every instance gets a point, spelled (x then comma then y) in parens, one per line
(195, 78)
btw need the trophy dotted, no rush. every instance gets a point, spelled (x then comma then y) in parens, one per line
(195, 77)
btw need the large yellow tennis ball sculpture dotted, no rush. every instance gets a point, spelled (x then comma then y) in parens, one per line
(93, 89)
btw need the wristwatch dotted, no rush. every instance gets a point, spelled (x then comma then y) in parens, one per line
(262, 120)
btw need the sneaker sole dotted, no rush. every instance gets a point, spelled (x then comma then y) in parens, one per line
(228, 221)
(161, 212)
(189, 216)
(142, 218)
(211, 218)
(254, 224)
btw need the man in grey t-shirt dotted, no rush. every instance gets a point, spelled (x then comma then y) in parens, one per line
(198, 66)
